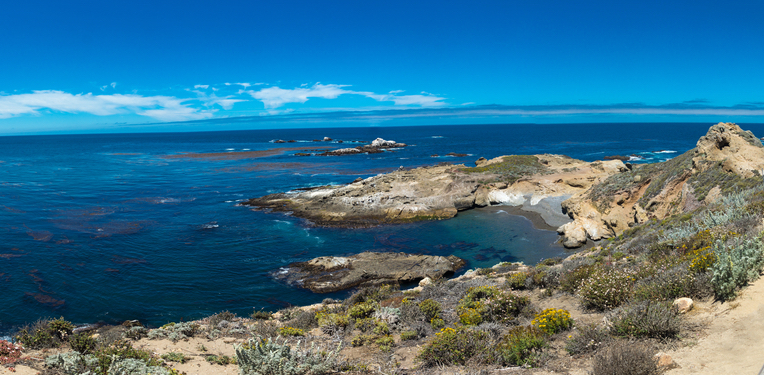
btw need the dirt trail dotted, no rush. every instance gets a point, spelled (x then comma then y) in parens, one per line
(733, 342)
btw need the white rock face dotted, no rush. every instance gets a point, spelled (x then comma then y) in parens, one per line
(379, 142)
(506, 197)
(347, 151)
(574, 234)
(424, 282)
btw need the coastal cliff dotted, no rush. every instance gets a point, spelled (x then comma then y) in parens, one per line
(585, 201)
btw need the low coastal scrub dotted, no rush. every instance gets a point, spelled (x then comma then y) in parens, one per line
(9, 352)
(625, 358)
(606, 288)
(646, 319)
(453, 347)
(521, 346)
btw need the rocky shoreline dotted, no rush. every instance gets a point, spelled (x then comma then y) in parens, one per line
(583, 201)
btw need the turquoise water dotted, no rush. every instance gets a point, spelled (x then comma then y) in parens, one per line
(112, 227)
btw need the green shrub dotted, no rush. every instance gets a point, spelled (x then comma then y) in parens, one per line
(119, 352)
(409, 335)
(83, 343)
(606, 289)
(647, 319)
(430, 308)
(385, 343)
(381, 328)
(291, 331)
(453, 347)
(491, 303)
(736, 265)
(666, 285)
(363, 309)
(552, 321)
(61, 328)
(175, 357)
(437, 323)
(470, 317)
(45, 333)
(625, 358)
(214, 320)
(272, 357)
(520, 346)
(135, 333)
(517, 280)
(261, 315)
(331, 323)
(361, 340)
(588, 338)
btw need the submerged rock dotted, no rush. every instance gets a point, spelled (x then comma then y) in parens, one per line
(330, 274)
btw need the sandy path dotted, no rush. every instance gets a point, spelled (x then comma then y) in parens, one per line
(733, 342)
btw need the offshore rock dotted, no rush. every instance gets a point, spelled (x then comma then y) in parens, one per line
(330, 274)
(378, 145)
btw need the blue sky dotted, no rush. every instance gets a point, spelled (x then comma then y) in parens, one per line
(125, 66)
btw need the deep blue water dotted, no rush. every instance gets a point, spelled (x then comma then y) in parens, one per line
(107, 228)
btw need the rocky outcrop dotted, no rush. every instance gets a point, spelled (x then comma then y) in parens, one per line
(330, 274)
(376, 146)
(723, 160)
(439, 192)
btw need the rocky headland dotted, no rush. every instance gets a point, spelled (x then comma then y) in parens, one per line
(330, 273)
(585, 201)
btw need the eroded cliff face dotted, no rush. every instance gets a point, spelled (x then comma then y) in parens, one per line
(725, 159)
(603, 198)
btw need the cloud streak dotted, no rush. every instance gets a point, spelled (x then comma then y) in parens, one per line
(162, 108)
(274, 97)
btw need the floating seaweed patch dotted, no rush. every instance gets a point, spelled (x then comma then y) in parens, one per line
(46, 300)
(125, 260)
(277, 302)
(14, 210)
(5, 277)
(42, 235)
(10, 255)
(112, 270)
(235, 155)
(461, 245)
(480, 257)
(65, 266)
(63, 241)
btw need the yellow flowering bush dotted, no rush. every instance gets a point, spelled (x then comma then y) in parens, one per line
(291, 331)
(491, 303)
(701, 259)
(470, 317)
(552, 321)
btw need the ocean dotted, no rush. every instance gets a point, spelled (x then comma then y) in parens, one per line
(106, 228)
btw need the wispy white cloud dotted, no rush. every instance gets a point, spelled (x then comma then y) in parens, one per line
(396, 92)
(210, 100)
(163, 108)
(201, 86)
(274, 97)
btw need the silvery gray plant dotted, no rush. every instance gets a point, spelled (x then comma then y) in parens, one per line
(271, 357)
